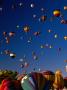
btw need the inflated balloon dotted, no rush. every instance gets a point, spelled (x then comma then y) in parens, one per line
(56, 13)
(49, 30)
(7, 40)
(36, 33)
(59, 82)
(26, 28)
(12, 55)
(65, 82)
(27, 84)
(32, 5)
(49, 75)
(65, 7)
(63, 21)
(65, 37)
(19, 77)
(11, 34)
(26, 64)
(65, 61)
(43, 18)
(39, 80)
(66, 68)
(7, 52)
(4, 33)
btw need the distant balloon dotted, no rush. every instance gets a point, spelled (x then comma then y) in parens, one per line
(63, 21)
(49, 31)
(22, 65)
(26, 64)
(12, 55)
(1, 8)
(65, 61)
(32, 5)
(42, 9)
(34, 15)
(36, 33)
(35, 57)
(17, 26)
(4, 33)
(26, 29)
(7, 39)
(43, 18)
(50, 46)
(20, 4)
(65, 37)
(65, 7)
(7, 52)
(56, 13)
(66, 68)
(42, 46)
(11, 34)
(55, 36)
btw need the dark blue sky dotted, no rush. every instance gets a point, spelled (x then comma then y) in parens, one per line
(48, 59)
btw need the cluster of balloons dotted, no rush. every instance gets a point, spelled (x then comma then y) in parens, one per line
(45, 80)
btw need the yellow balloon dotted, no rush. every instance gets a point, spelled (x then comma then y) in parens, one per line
(56, 13)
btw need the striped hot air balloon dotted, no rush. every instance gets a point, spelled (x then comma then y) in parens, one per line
(33, 81)
(39, 80)
(50, 76)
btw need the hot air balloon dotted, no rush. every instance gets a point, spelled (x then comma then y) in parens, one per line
(65, 82)
(19, 77)
(66, 68)
(56, 13)
(39, 80)
(7, 40)
(43, 18)
(26, 29)
(32, 5)
(65, 37)
(4, 33)
(27, 84)
(59, 82)
(12, 55)
(34, 81)
(7, 52)
(65, 7)
(11, 34)
(63, 21)
(50, 76)
(36, 33)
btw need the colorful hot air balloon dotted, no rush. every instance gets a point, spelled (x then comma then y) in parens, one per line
(56, 13)
(66, 68)
(11, 34)
(65, 37)
(33, 81)
(19, 77)
(65, 7)
(36, 33)
(12, 55)
(43, 18)
(50, 76)
(39, 80)
(26, 84)
(65, 82)
(59, 82)
(26, 29)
